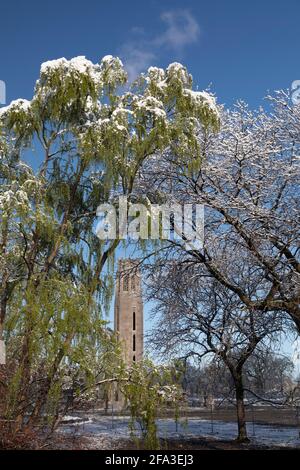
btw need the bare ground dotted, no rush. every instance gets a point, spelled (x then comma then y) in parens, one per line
(89, 443)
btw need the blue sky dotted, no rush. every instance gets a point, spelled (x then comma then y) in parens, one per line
(243, 49)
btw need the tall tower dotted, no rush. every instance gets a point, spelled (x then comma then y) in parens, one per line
(129, 317)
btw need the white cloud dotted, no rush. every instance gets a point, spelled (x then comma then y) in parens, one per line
(136, 59)
(181, 29)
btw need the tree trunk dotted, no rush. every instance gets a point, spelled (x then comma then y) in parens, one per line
(240, 408)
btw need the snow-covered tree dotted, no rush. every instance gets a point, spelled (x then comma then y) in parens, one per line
(82, 137)
(249, 184)
(196, 317)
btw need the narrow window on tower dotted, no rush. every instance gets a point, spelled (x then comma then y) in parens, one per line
(125, 282)
(118, 318)
(133, 321)
(133, 341)
(133, 358)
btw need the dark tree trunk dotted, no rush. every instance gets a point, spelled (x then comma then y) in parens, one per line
(240, 408)
(297, 322)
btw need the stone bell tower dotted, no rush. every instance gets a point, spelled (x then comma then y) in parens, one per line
(129, 317)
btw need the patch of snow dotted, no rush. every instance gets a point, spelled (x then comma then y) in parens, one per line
(16, 105)
(109, 59)
(117, 427)
(202, 97)
(80, 65)
(75, 420)
(151, 105)
(53, 65)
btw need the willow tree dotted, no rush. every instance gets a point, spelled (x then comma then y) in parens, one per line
(83, 137)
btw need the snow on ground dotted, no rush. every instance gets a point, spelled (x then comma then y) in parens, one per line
(116, 427)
